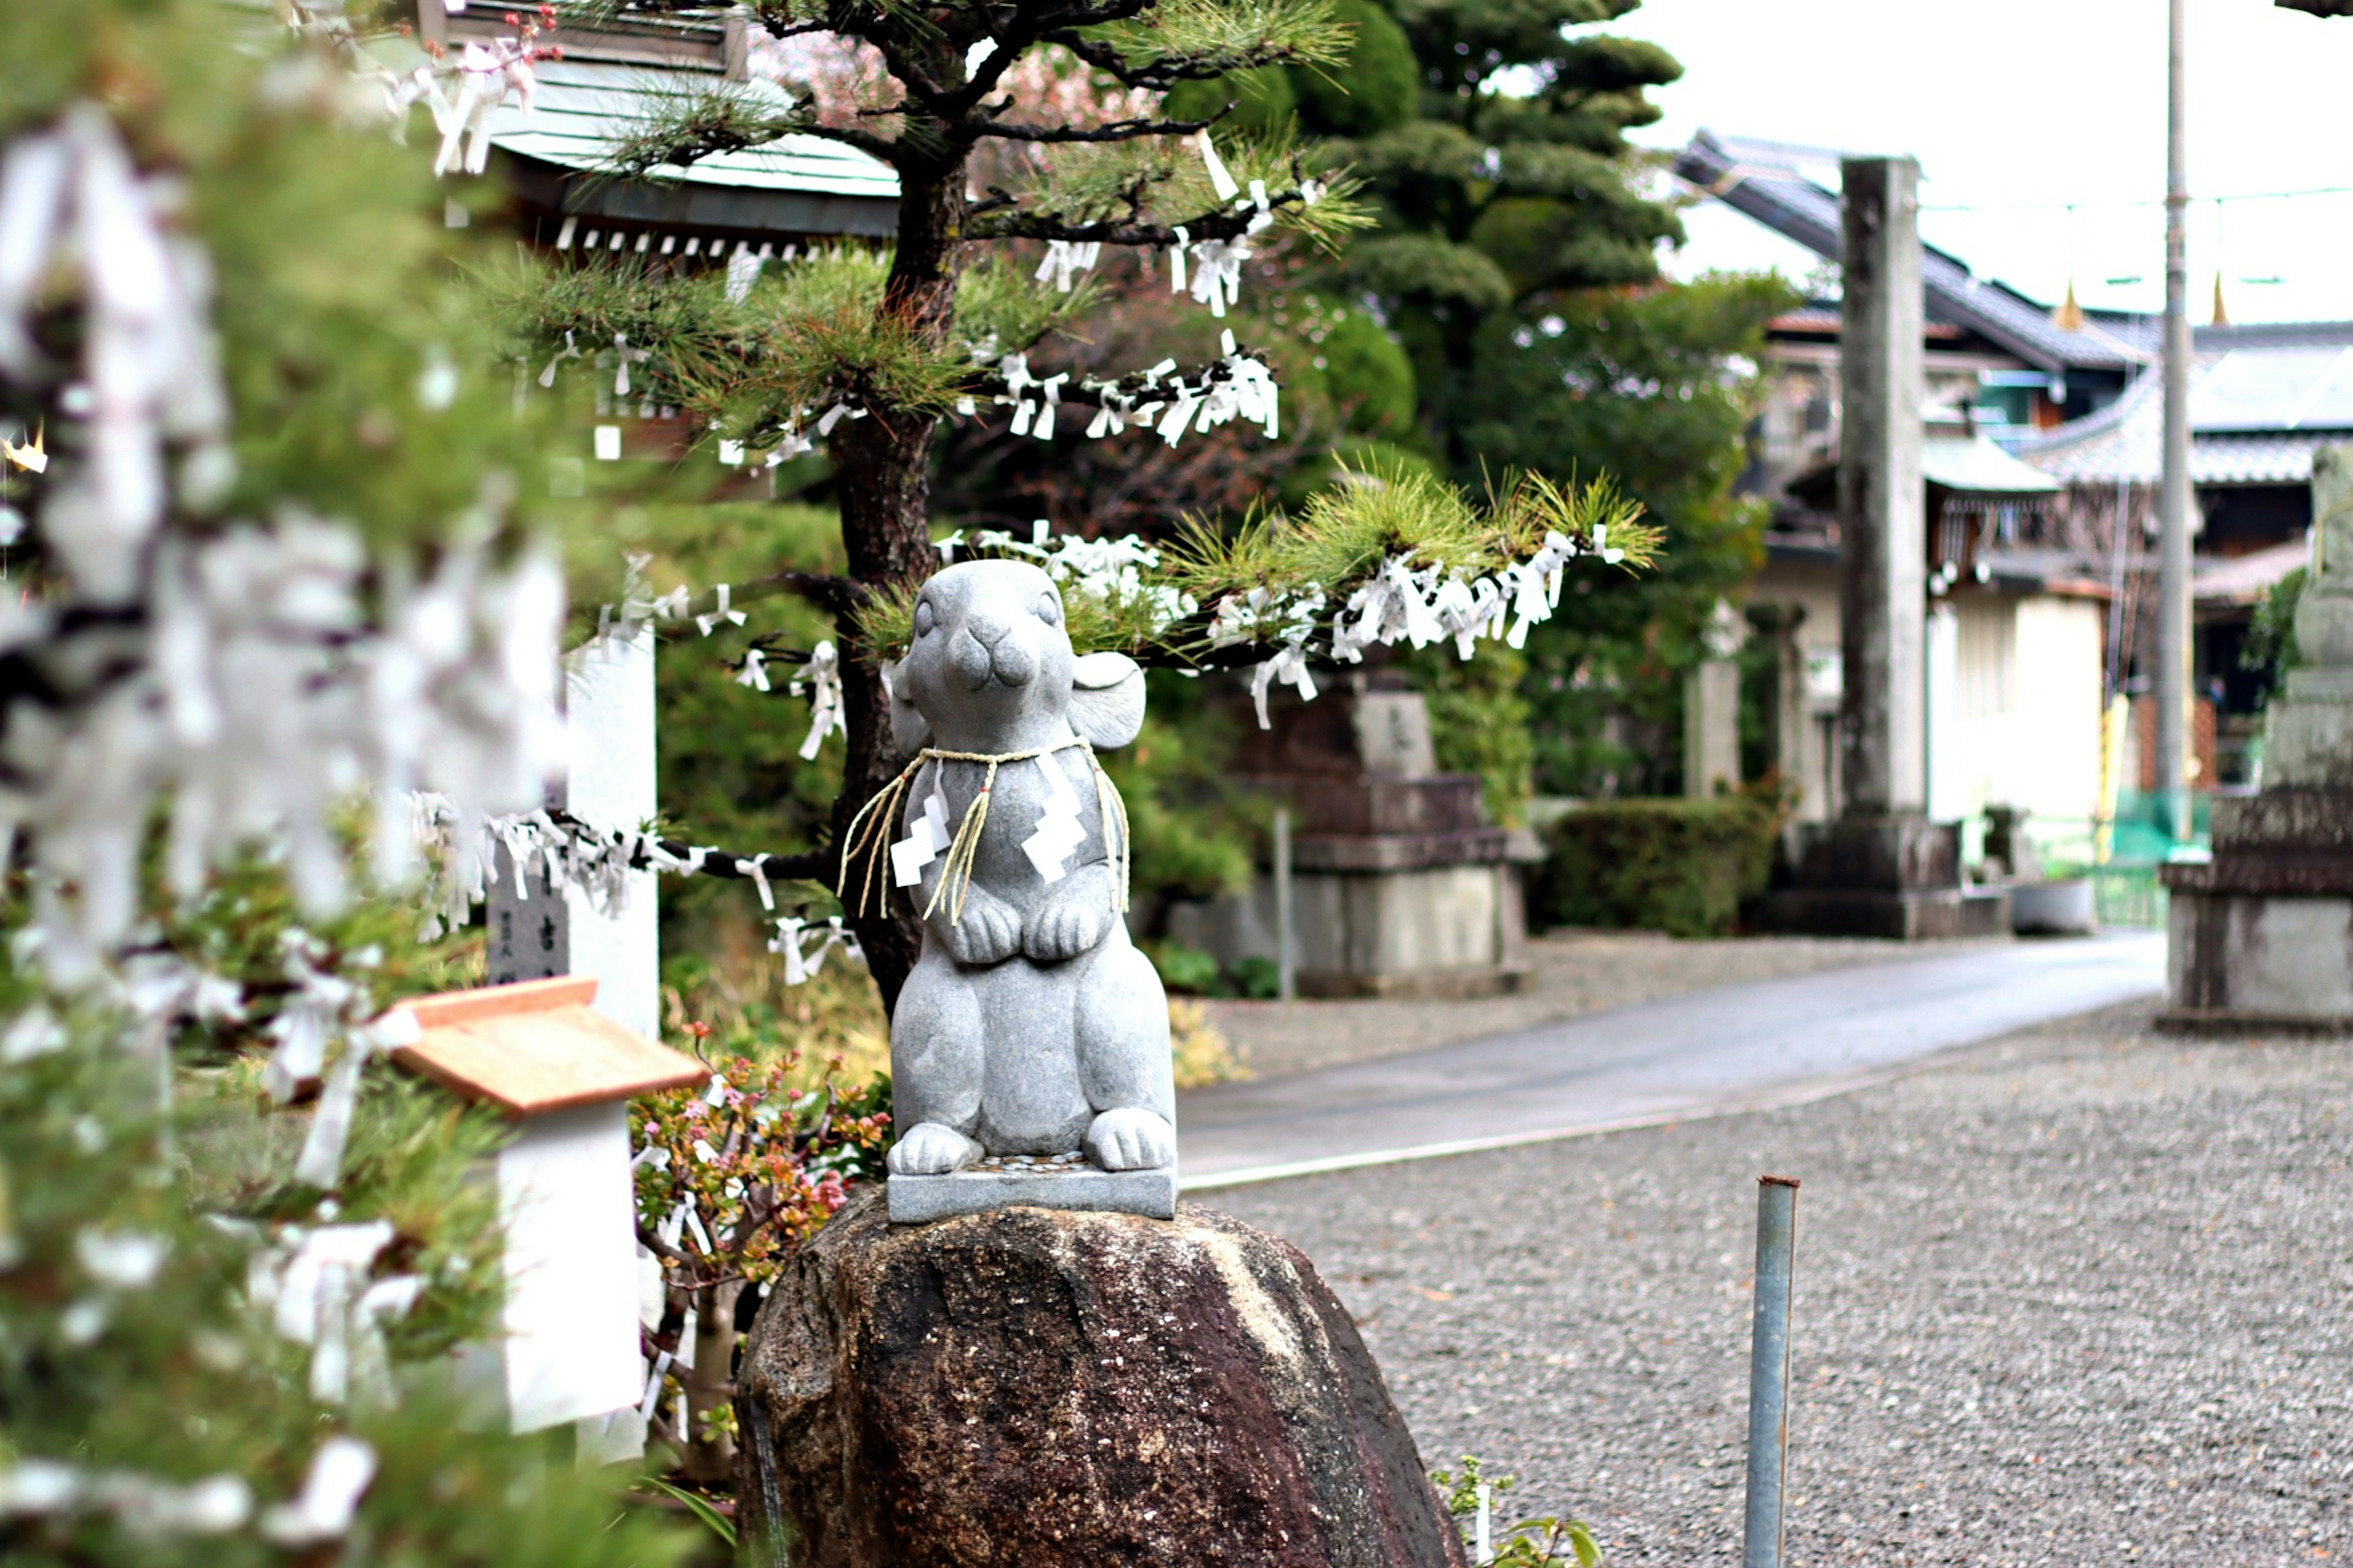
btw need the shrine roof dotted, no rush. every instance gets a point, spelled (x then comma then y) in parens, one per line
(537, 1047)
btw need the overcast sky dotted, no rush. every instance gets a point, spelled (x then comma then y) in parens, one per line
(2022, 106)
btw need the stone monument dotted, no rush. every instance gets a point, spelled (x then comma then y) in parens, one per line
(1712, 707)
(1021, 1350)
(1030, 1057)
(1882, 868)
(1401, 885)
(2262, 934)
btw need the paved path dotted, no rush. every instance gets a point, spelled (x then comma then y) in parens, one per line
(1736, 1047)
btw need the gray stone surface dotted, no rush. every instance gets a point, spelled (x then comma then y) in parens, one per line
(1030, 1025)
(1694, 1056)
(1710, 728)
(2262, 933)
(2078, 1298)
(2308, 731)
(1029, 1389)
(917, 1200)
(1882, 497)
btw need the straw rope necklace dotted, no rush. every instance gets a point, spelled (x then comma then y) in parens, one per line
(869, 830)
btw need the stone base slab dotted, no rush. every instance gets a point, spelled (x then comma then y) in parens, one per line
(918, 1200)
(1918, 915)
(2258, 960)
(1430, 985)
(1883, 854)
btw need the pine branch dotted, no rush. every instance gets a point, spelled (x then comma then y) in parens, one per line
(1216, 224)
(1117, 130)
(1159, 73)
(836, 595)
(687, 127)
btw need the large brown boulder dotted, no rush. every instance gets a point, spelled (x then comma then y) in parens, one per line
(1032, 1389)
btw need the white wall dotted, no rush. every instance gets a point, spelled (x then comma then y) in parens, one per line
(2021, 724)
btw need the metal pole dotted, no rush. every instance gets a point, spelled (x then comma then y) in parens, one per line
(2174, 497)
(1286, 956)
(1768, 1370)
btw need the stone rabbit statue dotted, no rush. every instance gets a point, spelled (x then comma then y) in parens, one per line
(1030, 1025)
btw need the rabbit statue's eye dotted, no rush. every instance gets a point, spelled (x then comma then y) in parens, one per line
(925, 618)
(1049, 609)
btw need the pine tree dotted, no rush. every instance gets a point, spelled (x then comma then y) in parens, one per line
(870, 353)
(1516, 257)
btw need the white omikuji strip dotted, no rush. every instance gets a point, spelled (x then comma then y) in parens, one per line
(266, 668)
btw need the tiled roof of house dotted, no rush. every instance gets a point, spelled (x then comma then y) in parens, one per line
(584, 105)
(1761, 181)
(2257, 413)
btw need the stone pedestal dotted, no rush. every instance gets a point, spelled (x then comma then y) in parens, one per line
(1894, 876)
(1038, 1389)
(1400, 886)
(2262, 936)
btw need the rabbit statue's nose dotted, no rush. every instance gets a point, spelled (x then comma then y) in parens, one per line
(988, 628)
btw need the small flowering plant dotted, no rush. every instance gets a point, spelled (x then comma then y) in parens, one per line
(732, 1176)
(731, 1179)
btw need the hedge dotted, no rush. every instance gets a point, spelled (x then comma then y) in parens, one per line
(1684, 867)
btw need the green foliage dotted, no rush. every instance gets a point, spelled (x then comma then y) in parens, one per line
(1166, 182)
(1376, 91)
(1340, 537)
(1478, 722)
(1217, 37)
(730, 768)
(1525, 1544)
(1516, 262)
(1257, 977)
(1184, 970)
(1353, 364)
(1684, 867)
(128, 1351)
(1192, 832)
(1343, 534)
(766, 1154)
(1636, 382)
(1255, 102)
(2270, 647)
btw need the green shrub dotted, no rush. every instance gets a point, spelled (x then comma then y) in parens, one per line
(1684, 867)
(1183, 969)
(1258, 978)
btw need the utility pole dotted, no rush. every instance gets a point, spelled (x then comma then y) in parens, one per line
(2174, 497)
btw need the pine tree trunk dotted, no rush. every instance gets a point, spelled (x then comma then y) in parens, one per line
(881, 473)
(710, 1384)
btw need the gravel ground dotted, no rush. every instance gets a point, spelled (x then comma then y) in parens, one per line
(1571, 973)
(2081, 1296)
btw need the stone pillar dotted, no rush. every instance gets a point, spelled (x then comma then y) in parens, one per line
(1882, 868)
(1712, 708)
(2262, 934)
(1710, 728)
(1882, 497)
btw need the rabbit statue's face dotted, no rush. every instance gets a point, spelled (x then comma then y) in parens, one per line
(989, 668)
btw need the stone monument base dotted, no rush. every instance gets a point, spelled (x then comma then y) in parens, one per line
(996, 1184)
(1066, 1389)
(2260, 937)
(1893, 877)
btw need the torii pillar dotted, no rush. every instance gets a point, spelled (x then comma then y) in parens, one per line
(1882, 868)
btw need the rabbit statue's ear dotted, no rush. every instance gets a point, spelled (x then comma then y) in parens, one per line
(910, 732)
(1106, 698)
